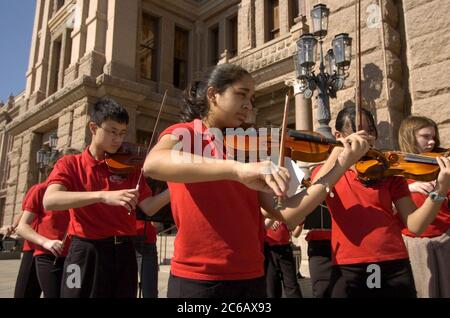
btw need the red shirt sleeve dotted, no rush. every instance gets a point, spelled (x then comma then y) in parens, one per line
(61, 173)
(399, 188)
(179, 130)
(33, 200)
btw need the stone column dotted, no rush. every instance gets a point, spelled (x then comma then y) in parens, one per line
(283, 16)
(79, 36)
(260, 25)
(51, 64)
(33, 52)
(121, 39)
(41, 67)
(96, 24)
(246, 25)
(303, 112)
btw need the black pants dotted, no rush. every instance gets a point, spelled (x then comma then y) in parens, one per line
(190, 288)
(99, 269)
(147, 260)
(281, 272)
(27, 284)
(352, 281)
(320, 266)
(50, 274)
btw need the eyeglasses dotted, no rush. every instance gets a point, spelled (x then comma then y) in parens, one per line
(114, 134)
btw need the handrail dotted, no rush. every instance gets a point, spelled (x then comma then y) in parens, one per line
(166, 230)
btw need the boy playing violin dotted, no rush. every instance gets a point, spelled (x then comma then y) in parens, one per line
(101, 260)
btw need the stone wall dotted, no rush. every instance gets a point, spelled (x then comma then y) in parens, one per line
(427, 35)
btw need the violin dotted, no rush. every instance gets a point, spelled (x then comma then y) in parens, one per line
(129, 158)
(376, 164)
(309, 146)
(418, 167)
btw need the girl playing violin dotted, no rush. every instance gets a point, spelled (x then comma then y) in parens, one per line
(369, 255)
(216, 202)
(429, 252)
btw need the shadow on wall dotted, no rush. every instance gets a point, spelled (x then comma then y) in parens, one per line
(372, 84)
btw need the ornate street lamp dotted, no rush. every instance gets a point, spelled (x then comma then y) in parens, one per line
(53, 141)
(45, 154)
(40, 157)
(333, 66)
(319, 16)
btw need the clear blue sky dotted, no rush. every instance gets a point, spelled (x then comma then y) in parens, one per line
(16, 27)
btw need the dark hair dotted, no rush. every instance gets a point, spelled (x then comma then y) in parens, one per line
(109, 109)
(195, 103)
(347, 117)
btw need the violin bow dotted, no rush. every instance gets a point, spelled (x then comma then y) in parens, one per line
(279, 200)
(358, 97)
(152, 137)
(63, 243)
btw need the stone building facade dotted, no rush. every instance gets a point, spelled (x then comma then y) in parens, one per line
(134, 50)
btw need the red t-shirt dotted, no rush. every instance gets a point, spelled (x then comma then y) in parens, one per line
(150, 231)
(441, 223)
(220, 226)
(51, 224)
(28, 246)
(364, 226)
(280, 236)
(318, 235)
(81, 173)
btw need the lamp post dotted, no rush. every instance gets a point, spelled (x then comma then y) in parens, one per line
(46, 153)
(332, 69)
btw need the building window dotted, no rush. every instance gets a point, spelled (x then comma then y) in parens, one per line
(7, 166)
(180, 60)
(68, 49)
(214, 45)
(293, 11)
(148, 47)
(274, 21)
(54, 66)
(233, 36)
(143, 137)
(57, 4)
